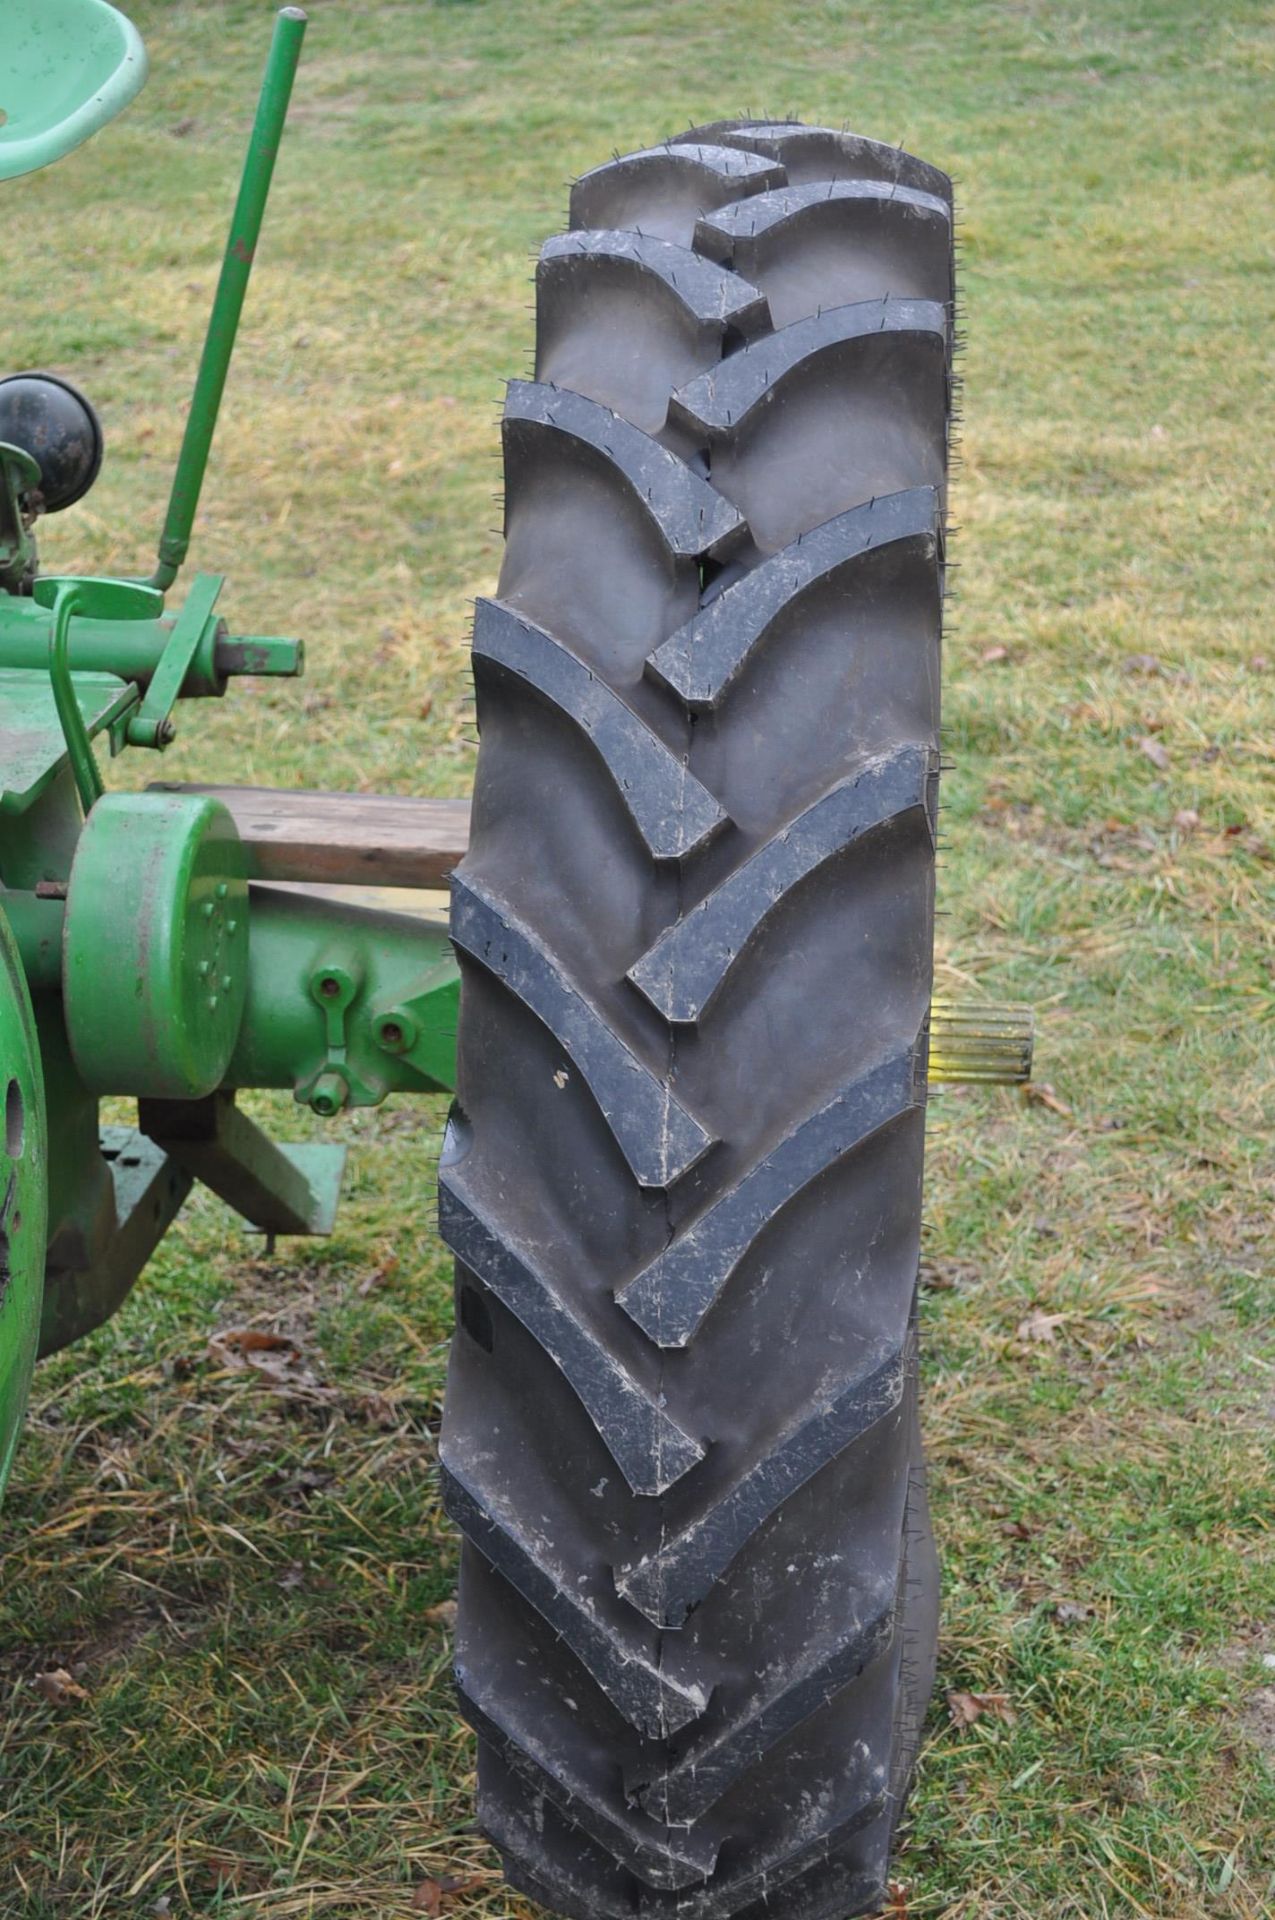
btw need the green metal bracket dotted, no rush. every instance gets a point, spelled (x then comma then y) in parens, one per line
(151, 725)
(420, 1028)
(146, 1188)
(280, 1189)
(333, 988)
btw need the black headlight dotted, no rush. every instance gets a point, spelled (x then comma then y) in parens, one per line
(52, 421)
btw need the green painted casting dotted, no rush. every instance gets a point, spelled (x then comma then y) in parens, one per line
(66, 68)
(324, 979)
(35, 924)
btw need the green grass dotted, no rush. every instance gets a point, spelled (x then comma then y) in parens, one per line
(246, 1584)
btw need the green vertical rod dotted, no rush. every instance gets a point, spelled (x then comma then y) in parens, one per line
(88, 780)
(223, 321)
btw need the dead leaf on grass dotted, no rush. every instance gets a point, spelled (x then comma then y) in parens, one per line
(378, 1410)
(966, 1708)
(1039, 1093)
(1155, 751)
(1040, 1326)
(378, 1276)
(436, 1895)
(1186, 819)
(444, 1613)
(992, 656)
(301, 1487)
(1148, 663)
(58, 1687)
(1070, 1613)
(275, 1356)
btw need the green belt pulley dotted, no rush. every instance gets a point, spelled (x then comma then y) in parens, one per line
(23, 1194)
(155, 950)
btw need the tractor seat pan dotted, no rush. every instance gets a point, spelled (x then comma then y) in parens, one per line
(66, 68)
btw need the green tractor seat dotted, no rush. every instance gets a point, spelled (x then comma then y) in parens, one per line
(66, 68)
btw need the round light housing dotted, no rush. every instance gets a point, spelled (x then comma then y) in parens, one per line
(52, 421)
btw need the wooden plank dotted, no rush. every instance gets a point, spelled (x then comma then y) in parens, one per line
(344, 839)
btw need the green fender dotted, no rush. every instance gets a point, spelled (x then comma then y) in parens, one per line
(23, 1195)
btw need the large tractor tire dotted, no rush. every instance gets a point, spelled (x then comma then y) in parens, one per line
(682, 1180)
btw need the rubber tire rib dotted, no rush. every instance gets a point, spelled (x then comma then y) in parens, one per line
(682, 1177)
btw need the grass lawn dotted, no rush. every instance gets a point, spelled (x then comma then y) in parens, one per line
(250, 1589)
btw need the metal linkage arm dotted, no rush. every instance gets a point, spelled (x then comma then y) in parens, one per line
(236, 266)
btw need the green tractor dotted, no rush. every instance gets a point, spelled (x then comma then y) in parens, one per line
(684, 1001)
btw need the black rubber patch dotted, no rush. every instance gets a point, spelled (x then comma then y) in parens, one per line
(668, 1584)
(651, 1451)
(539, 1850)
(702, 660)
(680, 974)
(689, 1788)
(631, 1681)
(657, 1136)
(711, 294)
(720, 400)
(720, 233)
(825, 153)
(661, 1858)
(671, 810)
(661, 190)
(692, 517)
(669, 1299)
(831, 243)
